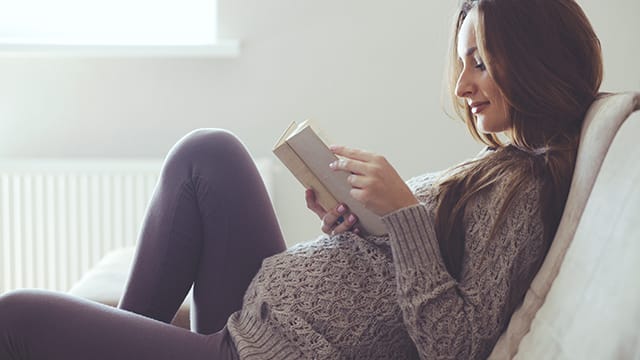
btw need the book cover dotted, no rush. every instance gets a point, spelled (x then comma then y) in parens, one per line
(307, 156)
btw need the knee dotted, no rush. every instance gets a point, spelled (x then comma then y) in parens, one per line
(207, 144)
(18, 307)
(12, 304)
(209, 140)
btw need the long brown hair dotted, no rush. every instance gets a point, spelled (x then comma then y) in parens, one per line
(546, 60)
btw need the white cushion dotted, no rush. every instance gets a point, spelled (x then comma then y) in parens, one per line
(602, 122)
(592, 310)
(105, 283)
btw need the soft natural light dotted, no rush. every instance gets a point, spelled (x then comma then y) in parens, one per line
(108, 22)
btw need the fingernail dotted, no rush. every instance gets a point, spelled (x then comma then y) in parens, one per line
(341, 208)
(352, 218)
(333, 164)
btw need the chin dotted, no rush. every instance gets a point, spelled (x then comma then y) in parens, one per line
(487, 126)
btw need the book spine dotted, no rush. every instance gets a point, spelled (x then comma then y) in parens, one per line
(304, 175)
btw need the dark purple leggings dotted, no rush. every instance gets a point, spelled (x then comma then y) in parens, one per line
(210, 224)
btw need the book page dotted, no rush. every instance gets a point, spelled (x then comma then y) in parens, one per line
(286, 134)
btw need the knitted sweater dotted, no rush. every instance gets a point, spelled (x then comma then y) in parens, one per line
(391, 297)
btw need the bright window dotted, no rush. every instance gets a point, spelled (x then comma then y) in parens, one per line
(109, 24)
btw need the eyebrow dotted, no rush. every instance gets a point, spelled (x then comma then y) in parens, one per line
(470, 51)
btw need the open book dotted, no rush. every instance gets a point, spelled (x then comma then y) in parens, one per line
(304, 153)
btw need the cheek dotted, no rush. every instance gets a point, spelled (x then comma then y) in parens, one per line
(501, 111)
(497, 118)
(504, 113)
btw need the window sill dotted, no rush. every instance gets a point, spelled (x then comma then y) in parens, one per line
(221, 49)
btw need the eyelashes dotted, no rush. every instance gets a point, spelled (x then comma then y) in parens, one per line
(481, 66)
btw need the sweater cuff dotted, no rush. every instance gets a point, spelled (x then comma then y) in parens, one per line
(413, 239)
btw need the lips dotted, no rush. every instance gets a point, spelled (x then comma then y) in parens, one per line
(477, 107)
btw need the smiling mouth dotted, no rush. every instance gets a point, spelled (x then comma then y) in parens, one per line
(478, 108)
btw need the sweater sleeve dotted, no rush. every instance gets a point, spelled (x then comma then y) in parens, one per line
(449, 319)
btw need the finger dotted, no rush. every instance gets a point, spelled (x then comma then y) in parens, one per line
(328, 224)
(312, 203)
(349, 222)
(331, 219)
(359, 194)
(350, 165)
(335, 215)
(352, 153)
(358, 181)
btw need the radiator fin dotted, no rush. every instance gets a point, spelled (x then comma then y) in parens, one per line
(59, 217)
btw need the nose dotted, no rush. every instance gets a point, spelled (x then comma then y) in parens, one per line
(464, 85)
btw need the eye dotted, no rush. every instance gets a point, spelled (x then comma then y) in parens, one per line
(479, 64)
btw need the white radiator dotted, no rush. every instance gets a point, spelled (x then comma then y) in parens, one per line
(59, 217)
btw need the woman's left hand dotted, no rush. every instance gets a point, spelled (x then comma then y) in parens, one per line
(376, 184)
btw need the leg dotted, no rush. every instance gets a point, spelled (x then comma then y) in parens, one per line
(210, 223)
(46, 325)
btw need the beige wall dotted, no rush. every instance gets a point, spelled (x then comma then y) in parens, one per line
(369, 71)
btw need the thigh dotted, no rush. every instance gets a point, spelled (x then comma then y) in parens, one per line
(210, 224)
(239, 226)
(45, 325)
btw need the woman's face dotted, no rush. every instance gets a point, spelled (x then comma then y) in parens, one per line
(476, 86)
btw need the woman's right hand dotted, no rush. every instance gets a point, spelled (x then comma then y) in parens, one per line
(334, 221)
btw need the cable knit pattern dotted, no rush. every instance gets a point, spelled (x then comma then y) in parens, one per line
(390, 297)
